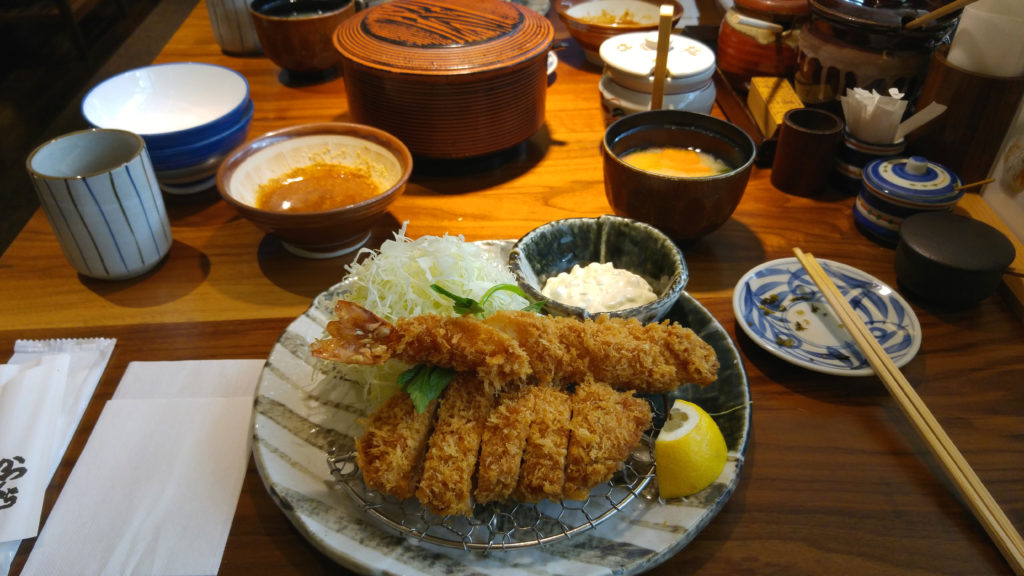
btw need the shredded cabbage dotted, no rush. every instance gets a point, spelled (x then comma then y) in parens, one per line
(395, 280)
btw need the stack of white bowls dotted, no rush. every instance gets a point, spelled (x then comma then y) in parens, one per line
(190, 115)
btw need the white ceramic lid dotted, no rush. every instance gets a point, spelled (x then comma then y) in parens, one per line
(629, 59)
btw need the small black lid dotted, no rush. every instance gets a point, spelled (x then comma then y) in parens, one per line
(958, 242)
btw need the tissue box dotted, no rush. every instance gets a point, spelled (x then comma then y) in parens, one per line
(769, 99)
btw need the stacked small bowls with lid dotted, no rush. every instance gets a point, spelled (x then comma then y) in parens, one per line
(628, 76)
(189, 114)
(896, 188)
(452, 79)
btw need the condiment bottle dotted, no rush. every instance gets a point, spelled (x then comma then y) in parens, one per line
(627, 80)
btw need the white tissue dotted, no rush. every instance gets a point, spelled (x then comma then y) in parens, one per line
(156, 487)
(80, 363)
(988, 38)
(872, 117)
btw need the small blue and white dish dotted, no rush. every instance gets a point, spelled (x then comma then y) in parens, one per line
(557, 246)
(779, 307)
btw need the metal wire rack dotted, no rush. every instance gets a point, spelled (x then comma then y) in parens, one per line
(499, 526)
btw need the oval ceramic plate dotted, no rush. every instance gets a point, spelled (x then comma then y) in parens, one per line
(781, 309)
(302, 411)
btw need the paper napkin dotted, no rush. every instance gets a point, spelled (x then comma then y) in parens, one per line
(156, 487)
(44, 390)
(30, 400)
(873, 117)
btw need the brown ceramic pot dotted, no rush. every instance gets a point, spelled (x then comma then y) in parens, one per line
(450, 78)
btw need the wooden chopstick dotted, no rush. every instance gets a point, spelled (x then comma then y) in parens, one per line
(978, 498)
(661, 56)
(974, 184)
(937, 13)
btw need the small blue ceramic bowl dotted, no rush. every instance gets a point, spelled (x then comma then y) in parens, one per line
(196, 153)
(169, 105)
(557, 246)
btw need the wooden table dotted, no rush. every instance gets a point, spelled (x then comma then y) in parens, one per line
(835, 480)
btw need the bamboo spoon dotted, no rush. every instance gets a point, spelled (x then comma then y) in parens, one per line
(970, 487)
(975, 184)
(661, 56)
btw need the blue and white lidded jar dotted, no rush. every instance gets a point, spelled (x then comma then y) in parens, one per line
(896, 188)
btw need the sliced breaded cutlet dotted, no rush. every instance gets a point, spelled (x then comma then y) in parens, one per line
(606, 425)
(542, 473)
(447, 481)
(390, 451)
(502, 446)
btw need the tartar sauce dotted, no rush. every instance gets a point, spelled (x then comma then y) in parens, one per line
(599, 288)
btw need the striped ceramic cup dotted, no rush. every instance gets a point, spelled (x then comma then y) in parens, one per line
(102, 198)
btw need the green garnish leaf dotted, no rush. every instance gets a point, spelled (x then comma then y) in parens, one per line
(464, 305)
(425, 383)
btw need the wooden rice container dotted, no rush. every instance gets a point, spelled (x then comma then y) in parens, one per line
(450, 78)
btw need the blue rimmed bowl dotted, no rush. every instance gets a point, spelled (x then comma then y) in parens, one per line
(557, 246)
(170, 105)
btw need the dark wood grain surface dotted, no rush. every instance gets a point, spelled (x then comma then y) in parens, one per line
(835, 480)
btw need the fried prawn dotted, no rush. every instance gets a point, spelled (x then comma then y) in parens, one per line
(519, 347)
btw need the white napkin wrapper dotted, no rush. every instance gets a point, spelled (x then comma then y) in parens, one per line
(873, 117)
(51, 383)
(156, 486)
(29, 412)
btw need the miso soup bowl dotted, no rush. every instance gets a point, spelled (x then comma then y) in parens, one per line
(325, 233)
(296, 34)
(684, 208)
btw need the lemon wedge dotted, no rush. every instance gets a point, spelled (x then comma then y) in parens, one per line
(689, 452)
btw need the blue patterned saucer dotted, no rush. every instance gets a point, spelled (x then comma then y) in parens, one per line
(781, 309)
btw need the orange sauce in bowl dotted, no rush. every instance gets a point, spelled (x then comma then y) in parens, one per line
(316, 187)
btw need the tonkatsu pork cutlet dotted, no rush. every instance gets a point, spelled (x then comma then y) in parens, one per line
(606, 425)
(516, 346)
(447, 480)
(542, 473)
(502, 446)
(390, 451)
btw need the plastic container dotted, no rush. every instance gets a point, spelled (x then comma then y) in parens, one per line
(627, 81)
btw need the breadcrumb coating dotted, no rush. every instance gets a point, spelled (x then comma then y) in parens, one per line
(390, 451)
(519, 347)
(447, 481)
(542, 473)
(606, 425)
(502, 446)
